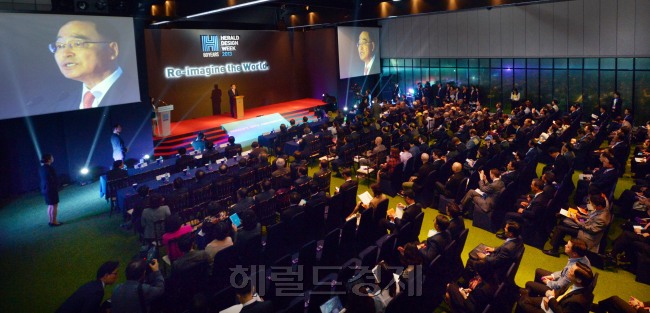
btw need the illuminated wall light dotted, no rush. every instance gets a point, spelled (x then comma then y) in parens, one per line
(384, 9)
(453, 5)
(155, 10)
(312, 18)
(293, 20)
(416, 6)
(232, 2)
(170, 8)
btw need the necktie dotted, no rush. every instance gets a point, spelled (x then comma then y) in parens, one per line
(88, 100)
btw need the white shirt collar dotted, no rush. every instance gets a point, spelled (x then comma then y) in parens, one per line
(100, 90)
(369, 65)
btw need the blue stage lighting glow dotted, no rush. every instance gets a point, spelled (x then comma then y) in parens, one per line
(146, 157)
(84, 171)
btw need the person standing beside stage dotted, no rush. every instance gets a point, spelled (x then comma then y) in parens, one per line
(232, 93)
(50, 188)
(119, 149)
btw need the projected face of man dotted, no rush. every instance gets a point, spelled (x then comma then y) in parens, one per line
(91, 61)
(366, 47)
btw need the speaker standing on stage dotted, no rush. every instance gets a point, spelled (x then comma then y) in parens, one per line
(49, 188)
(232, 93)
(119, 149)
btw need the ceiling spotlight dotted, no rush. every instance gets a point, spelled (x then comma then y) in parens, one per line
(82, 5)
(84, 171)
(307, 8)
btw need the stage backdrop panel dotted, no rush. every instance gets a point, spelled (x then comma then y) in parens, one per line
(184, 65)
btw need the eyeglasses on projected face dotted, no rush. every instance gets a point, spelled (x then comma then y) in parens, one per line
(363, 43)
(73, 45)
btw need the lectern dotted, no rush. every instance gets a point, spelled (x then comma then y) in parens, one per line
(240, 106)
(163, 117)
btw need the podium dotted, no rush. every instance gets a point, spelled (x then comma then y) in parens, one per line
(161, 122)
(240, 107)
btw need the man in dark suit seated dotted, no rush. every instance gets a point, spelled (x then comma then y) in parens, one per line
(347, 145)
(176, 193)
(267, 192)
(88, 298)
(512, 172)
(317, 196)
(323, 168)
(233, 148)
(604, 179)
(529, 212)
(411, 211)
(498, 258)
(243, 167)
(306, 139)
(294, 208)
(349, 182)
(256, 150)
(244, 201)
(303, 178)
(451, 186)
(184, 161)
(190, 257)
(578, 298)
(560, 166)
(244, 291)
(200, 180)
(117, 171)
(436, 244)
(615, 304)
(416, 181)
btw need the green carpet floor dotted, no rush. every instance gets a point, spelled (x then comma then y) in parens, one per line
(41, 266)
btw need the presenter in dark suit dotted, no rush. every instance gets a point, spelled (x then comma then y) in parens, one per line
(49, 187)
(232, 93)
(88, 298)
(87, 51)
(366, 48)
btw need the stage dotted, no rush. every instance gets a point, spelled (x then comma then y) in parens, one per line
(183, 132)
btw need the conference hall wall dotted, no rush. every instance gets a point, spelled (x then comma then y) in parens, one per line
(268, 67)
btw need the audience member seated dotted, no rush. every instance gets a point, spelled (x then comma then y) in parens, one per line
(387, 287)
(486, 198)
(256, 150)
(88, 298)
(200, 180)
(177, 191)
(411, 211)
(190, 258)
(456, 221)
(546, 280)
(416, 182)
(250, 228)
(184, 160)
(233, 148)
(117, 171)
(267, 192)
(144, 284)
(220, 238)
(560, 165)
(370, 157)
(282, 174)
(349, 183)
(303, 178)
(294, 208)
(378, 197)
(243, 167)
(633, 240)
(156, 211)
(590, 228)
(199, 143)
(603, 180)
(174, 229)
(615, 304)
(245, 291)
(512, 172)
(386, 169)
(450, 187)
(436, 243)
(340, 152)
(530, 212)
(244, 201)
(324, 168)
(499, 258)
(476, 295)
(577, 298)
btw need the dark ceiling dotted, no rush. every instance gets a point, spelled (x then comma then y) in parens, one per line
(275, 14)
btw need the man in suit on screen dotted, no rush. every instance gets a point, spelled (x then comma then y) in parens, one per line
(366, 47)
(87, 51)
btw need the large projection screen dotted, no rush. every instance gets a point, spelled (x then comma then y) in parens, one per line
(358, 51)
(93, 54)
